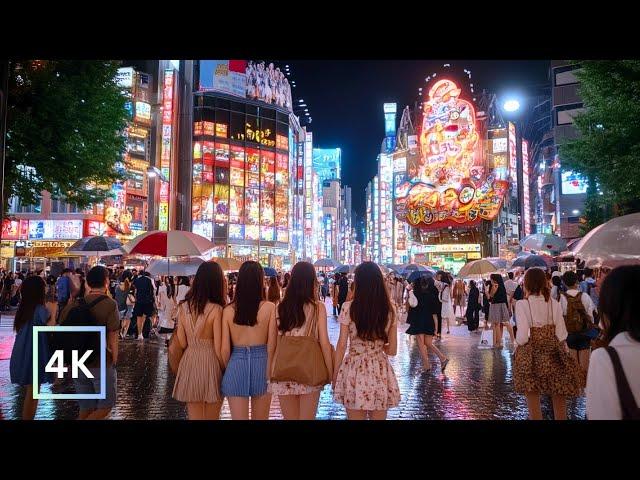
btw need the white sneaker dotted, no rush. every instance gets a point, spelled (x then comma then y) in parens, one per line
(140, 337)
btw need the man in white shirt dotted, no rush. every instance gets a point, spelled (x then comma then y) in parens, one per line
(579, 344)
(510, 286)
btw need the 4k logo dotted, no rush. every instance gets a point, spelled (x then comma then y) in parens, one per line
(55, 363)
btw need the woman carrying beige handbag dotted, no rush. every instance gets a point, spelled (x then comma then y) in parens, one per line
(303, 361)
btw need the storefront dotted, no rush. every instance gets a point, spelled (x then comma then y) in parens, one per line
(450, 258)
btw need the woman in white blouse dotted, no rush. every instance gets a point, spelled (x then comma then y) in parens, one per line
(613, 381)
(543, 365)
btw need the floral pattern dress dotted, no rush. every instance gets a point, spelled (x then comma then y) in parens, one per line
(366, 380)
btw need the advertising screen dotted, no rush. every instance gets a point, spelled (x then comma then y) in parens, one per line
(15, 229)
(282, 235)
(137, 208)
(226, 76)
(221, 202)
(267, 209)
(236, 205)
(203, 228)
(447, 184)
(327, 162)
(222, 154)
(92, 228)
(253, 168)
(573, 183)
(525, 187)
(143, 112)
(281, 210)
(55, 229)
(267, 168)
(251, 232)
(252, 206)
(267, 234)
(513, 158)
(236, 232)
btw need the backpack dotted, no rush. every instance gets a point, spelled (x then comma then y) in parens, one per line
(80, 315)
(518, 294)
(576, 319)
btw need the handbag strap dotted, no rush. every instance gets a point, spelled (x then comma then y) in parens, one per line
(628, 403)
(312, 323)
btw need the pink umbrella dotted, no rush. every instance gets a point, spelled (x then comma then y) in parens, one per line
(171, 243)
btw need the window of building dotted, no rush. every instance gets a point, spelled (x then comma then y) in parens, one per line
(566, 117)
(566, 75)
(573, 219)
(60, 206)
(237, 107)
(16, 207)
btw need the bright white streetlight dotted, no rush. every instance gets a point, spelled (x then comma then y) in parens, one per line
(511, 105)
(575, 212)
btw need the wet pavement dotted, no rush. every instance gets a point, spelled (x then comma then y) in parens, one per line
(478, 384)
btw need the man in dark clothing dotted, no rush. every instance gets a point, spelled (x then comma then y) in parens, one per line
(145, 300)
(343, 291)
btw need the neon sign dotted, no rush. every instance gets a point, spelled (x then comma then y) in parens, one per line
(447, 184)
(165, 152)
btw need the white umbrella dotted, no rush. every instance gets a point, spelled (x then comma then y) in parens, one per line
(477, 268)
(182, 267)
(542, 241)
(618, 239)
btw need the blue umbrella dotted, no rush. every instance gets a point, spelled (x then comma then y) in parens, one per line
(270, 272)
(345, 269)
(420, 273)
(519, 262)
(535, 261)
(414, 267)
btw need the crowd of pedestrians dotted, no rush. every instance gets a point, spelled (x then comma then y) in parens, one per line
(245, 337)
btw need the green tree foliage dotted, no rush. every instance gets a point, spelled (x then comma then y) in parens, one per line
(64, 130)
(608, 149)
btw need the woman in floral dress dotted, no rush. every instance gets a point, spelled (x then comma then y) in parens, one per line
(364, 381)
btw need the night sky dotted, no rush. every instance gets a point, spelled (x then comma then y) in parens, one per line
(345, 98)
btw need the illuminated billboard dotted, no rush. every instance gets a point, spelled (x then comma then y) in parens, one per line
(255, 80)
(525, 187)
(573, 183)
(447, 184)
(326, 162)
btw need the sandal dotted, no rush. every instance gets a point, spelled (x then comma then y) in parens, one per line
(444, 365)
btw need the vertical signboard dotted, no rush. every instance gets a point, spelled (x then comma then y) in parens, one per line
(513, 157)
(525, 187)
(165, 152)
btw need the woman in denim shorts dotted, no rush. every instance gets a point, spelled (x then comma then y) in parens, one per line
(248, 343)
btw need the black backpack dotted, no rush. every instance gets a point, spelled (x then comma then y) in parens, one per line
(79, 316)
(518, 294)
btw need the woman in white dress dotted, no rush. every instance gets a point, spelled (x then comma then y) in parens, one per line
(166, 307)
(444, 286)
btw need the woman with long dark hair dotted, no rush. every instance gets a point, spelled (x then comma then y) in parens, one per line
(499, 310)
(199, 333)
(613, 381)
(473, 307)
(301, 314)
(31, 313)
(446, 310)
(249, 334)
(273, 292)
(364, 381)
(422, 318)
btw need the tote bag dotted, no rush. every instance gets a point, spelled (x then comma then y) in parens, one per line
(300, 359)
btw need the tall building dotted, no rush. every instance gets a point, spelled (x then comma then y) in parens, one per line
(570, 189)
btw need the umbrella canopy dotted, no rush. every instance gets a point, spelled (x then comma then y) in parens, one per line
(477, 267)
(183, 267)
(522, 253)
(395, 268)
(345, 269)
(384, 270)
(542, 241)
(543, 261)
(227, 264)
(498, 262)
(414, 267)
(618, 239)
(326, 262)
(519, 262)
(270, 272)
(95, 244)
(171, 243)
(414, 275)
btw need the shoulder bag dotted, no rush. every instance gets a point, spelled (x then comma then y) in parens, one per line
(299, 358)
(175, 350)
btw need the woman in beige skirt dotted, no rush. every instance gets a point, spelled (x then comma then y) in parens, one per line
(199, 333)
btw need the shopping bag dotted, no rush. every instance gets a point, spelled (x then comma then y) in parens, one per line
(486, 339)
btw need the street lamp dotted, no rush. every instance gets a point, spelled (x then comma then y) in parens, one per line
(511, 105)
